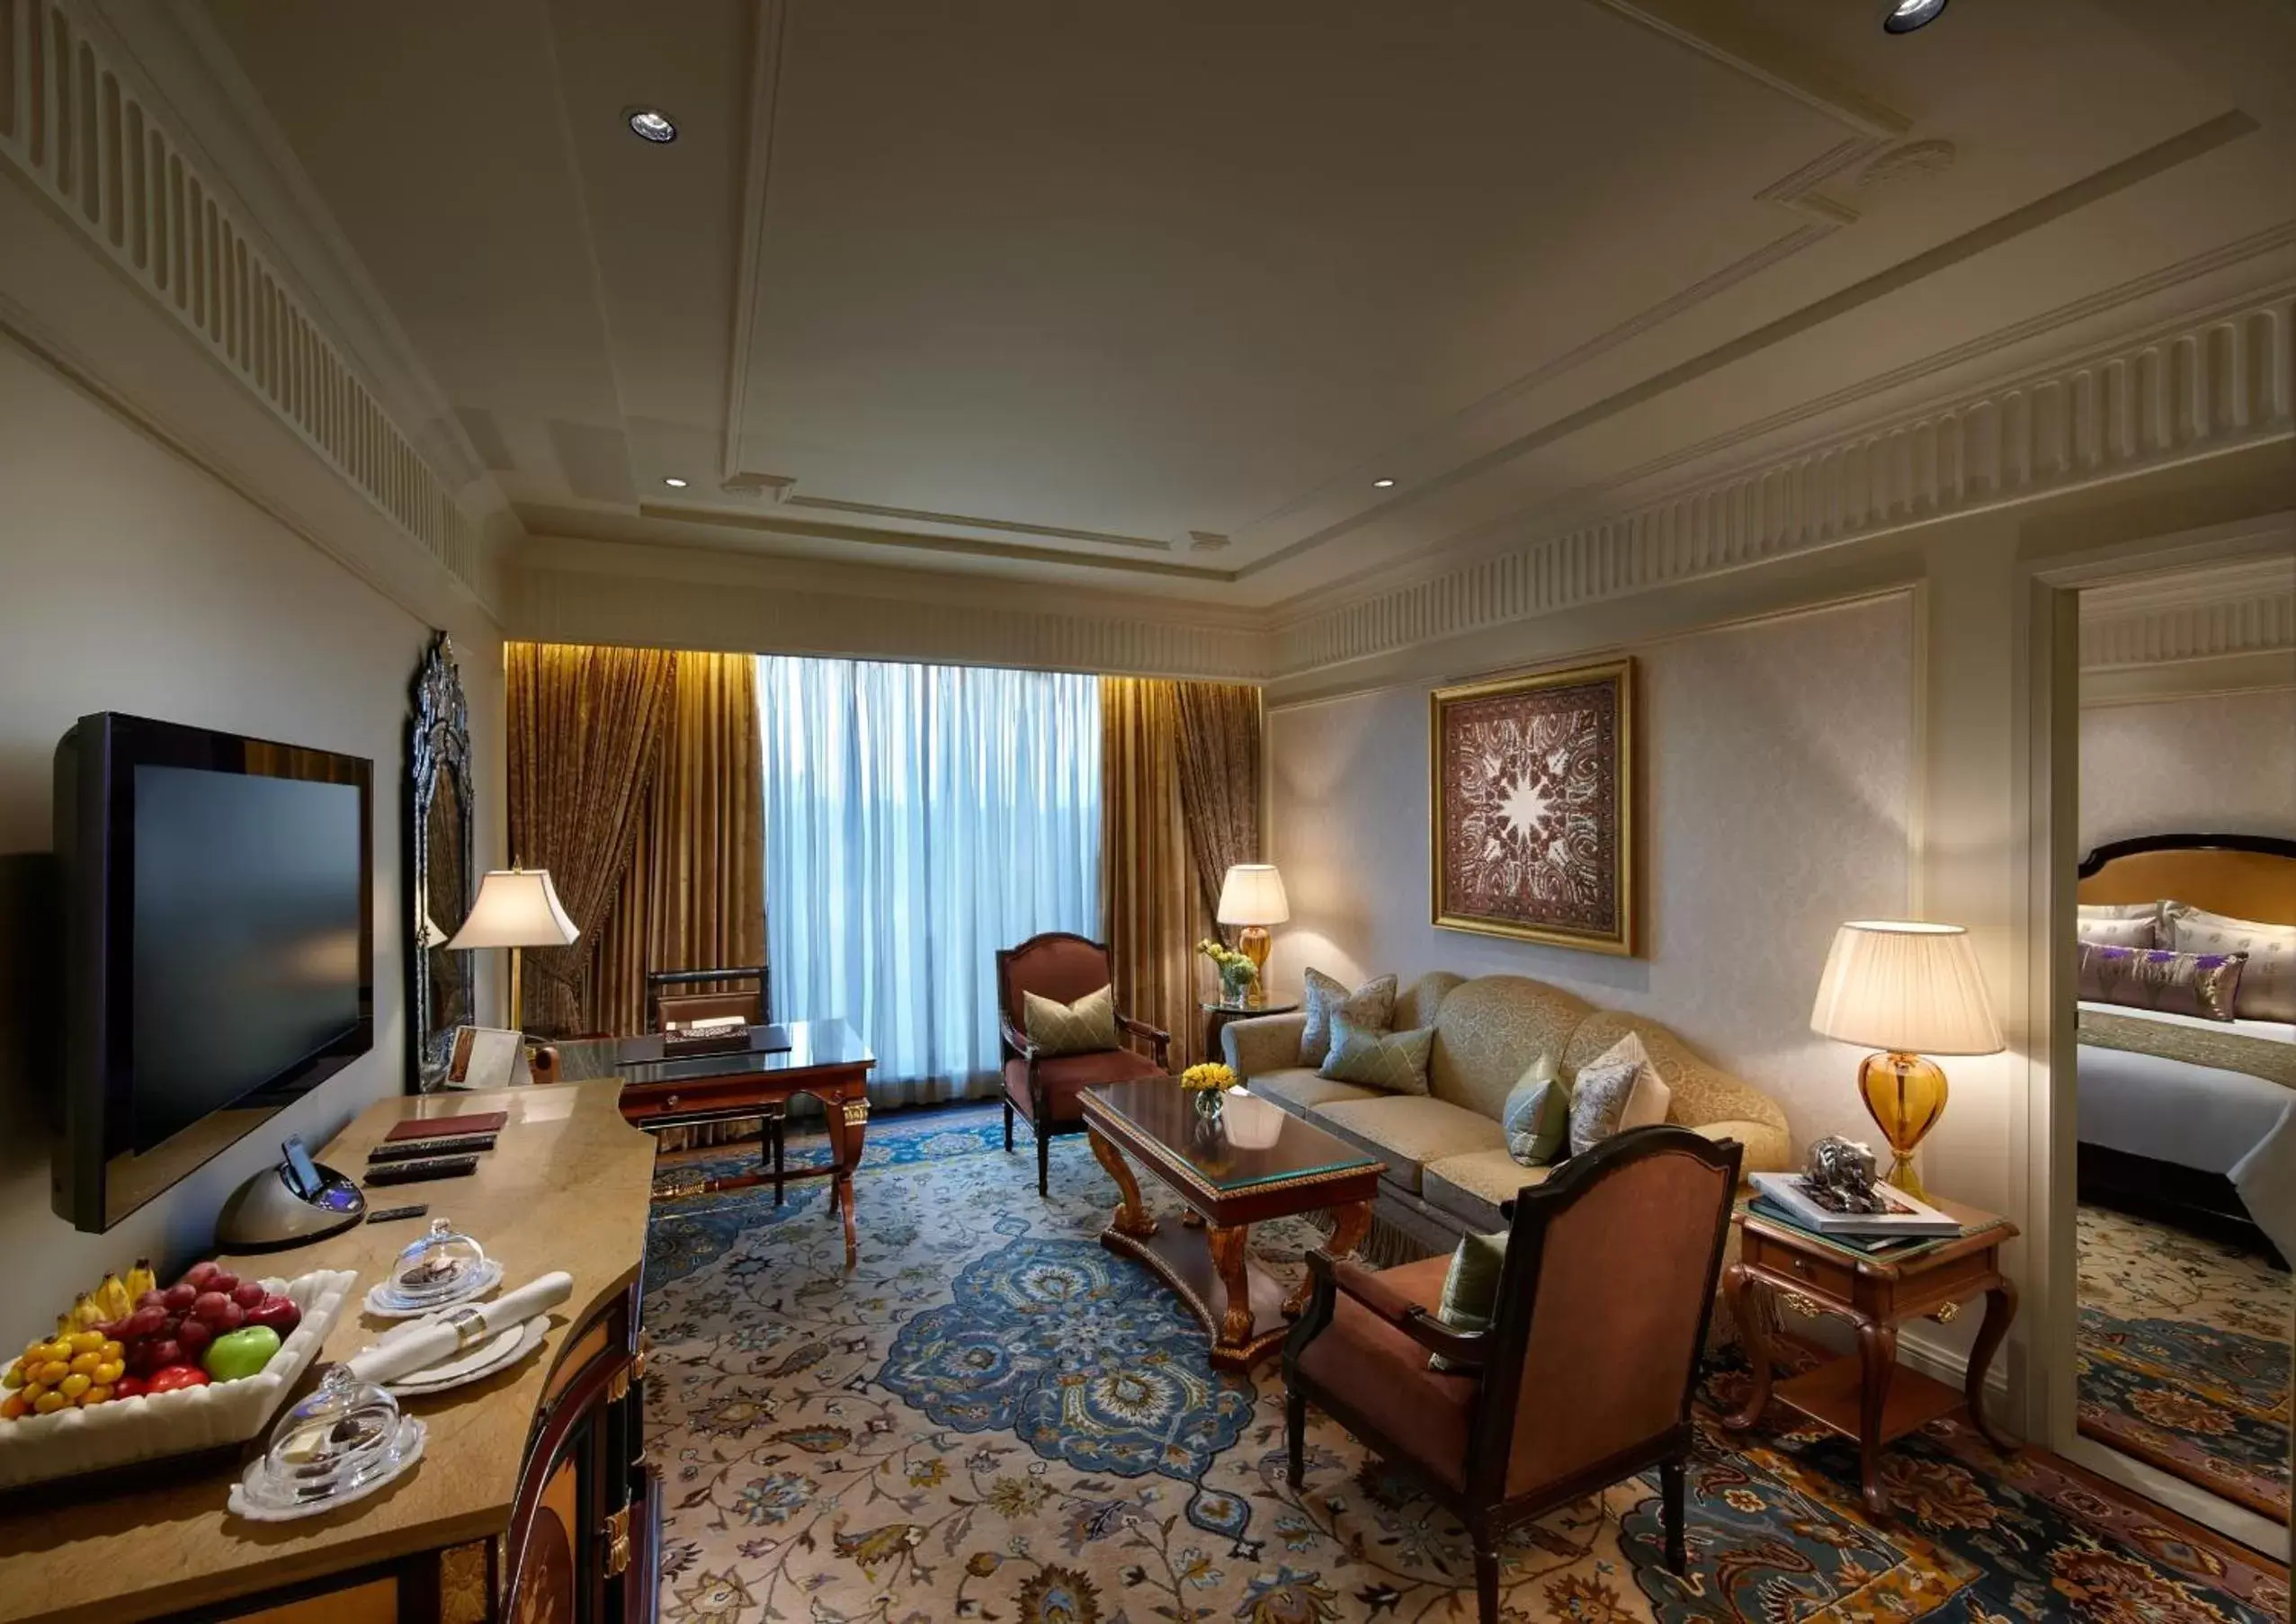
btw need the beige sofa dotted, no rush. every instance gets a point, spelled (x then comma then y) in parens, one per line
(1447, 1165)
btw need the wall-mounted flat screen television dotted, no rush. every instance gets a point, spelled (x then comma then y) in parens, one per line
(218, 921)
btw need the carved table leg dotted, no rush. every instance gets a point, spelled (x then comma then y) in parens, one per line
(1746, 1309)
(2000, 1308)
(1877, 1347)
(1350, 1224)
(849, 1124)
(1227, 1247)
(1131, 1217)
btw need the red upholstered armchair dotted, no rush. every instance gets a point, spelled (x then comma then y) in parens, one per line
(1043, 1088)
(1585, 1376)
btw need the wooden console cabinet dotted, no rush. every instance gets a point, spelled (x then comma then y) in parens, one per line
(533, 1503)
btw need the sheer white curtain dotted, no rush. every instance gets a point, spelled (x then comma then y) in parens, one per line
(918, 818)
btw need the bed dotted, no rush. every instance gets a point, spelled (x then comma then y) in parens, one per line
(2170, 1105)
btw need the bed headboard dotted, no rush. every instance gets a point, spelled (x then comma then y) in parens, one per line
(2245, 876)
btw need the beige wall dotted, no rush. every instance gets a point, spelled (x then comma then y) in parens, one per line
(2219, 764)
(1778, 768)
(130, 580)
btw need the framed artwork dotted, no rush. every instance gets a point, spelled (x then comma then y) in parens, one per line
(1531, 787)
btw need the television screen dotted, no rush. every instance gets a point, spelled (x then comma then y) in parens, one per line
(219, 941)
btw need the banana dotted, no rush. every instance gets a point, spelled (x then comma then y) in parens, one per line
(113, 1300)
(85, 1313)
(140, 1279)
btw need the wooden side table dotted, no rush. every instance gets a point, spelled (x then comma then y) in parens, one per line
(1218, 1012)
(1864, 1395)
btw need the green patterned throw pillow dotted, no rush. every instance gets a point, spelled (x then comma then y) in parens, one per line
(1536, 1117)
(1470, 1290)
(1395, 1062)
(1370, 1007)
(1083, 1028)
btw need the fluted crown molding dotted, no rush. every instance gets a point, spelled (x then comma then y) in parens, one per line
(77, 130)
(2247, 609)
(2201, 388)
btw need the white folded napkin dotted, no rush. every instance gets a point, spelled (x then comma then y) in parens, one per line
(427, 1342)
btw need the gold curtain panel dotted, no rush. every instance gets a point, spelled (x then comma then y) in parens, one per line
(585, 726)
(1179, 801)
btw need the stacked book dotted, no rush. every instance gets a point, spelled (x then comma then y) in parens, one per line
(1903, 1225)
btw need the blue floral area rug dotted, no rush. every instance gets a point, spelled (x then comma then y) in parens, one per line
(994, 1418)
(2185, 1357)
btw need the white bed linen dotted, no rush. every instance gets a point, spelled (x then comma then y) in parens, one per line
(2173, 1110)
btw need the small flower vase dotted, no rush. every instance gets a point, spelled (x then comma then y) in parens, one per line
(1236, 981)
(1210, 1103)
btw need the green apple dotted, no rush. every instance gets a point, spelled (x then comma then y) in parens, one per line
(241, 1352)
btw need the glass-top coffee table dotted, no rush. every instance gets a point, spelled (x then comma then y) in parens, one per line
(1255, 1162)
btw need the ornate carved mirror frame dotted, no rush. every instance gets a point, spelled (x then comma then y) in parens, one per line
(438, 755)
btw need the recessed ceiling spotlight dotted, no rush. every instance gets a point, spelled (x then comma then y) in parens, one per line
(1382, 484)
(650, 124)
(1904, 16)
(674, 483)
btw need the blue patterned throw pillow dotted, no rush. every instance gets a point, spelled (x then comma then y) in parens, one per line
(1536, 1117)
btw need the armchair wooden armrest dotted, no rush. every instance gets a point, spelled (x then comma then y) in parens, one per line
(1160, 1039)
(1412, 1318)
(1015, 1040)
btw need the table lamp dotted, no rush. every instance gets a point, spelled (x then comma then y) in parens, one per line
(1906, 990)
(1253, 897)
(515, 908)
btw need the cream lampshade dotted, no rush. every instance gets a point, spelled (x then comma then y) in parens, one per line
(1253, 897)
(1905, 989)
(515, 908)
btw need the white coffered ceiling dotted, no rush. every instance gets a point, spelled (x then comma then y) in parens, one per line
(1147, 297)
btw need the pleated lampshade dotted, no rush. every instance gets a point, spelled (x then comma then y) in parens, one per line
(1905, 987)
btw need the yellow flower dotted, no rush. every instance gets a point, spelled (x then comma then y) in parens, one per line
(1207, 1075)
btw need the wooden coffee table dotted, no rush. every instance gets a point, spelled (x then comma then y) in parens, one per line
(1258, 1162)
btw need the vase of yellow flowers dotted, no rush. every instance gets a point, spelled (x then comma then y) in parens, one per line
(1208, 1084)
(1238, 976)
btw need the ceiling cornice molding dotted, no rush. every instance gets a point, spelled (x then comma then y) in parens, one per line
(780, 523)
(2160, 158)
(2245, 609)
(2218, 676)
(140, 197)
(692, 599)
(174, 56)
(2199, 389)
(2252, 270)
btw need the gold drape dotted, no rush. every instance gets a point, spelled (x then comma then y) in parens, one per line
(1153, 908)
(693, 893)
(585, 730)
(1219, 780)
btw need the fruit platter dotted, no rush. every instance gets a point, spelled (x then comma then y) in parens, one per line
(135, 1370)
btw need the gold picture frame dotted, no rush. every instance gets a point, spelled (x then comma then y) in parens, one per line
(1530, 808)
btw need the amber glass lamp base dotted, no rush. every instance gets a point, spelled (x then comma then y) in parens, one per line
(1252, 941)
(1905, 1094)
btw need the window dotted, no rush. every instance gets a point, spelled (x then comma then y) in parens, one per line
(918, 818)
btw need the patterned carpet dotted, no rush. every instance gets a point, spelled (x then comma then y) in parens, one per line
(2185, 1357)
(993, 1418)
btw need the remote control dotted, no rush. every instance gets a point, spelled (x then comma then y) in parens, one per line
(384, 1215)
(416, 1150)
(415, 1172)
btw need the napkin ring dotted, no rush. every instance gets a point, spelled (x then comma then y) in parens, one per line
(469, 1327)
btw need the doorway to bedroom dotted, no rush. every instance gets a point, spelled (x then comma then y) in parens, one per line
(2185, 1064)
